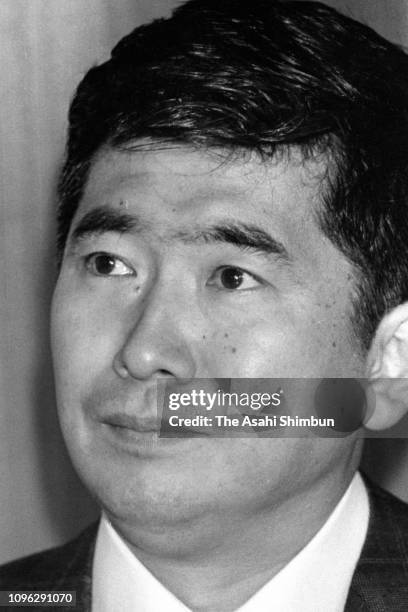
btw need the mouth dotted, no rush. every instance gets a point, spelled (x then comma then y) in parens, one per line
(140, 438)
(132, 423)
(133, 428)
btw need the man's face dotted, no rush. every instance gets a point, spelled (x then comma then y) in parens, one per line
(181, 264)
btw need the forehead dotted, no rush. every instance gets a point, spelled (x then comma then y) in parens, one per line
(179, 183)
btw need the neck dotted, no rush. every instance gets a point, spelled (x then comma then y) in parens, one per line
(218, 563)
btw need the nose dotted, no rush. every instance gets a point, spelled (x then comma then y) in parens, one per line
(159, 339)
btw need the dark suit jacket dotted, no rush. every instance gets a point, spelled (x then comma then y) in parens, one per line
(380, 581)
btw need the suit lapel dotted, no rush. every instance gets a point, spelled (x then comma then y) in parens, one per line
(355, 601)
(76, 569)
(380, 581)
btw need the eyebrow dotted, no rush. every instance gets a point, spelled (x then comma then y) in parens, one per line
(243, 235)
(105, 219)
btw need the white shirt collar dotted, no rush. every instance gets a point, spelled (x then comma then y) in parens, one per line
(317, 579)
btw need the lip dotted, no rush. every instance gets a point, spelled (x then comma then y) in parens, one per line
(132, 423)
(140, 439)
(132, 427)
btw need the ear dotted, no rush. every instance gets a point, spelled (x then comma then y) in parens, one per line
(387, 369)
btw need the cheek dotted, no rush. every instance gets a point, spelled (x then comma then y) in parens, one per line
(82, 342)
(260, 349)
(313, 344)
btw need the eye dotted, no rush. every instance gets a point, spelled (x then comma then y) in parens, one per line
(105, 264)
(233, 279)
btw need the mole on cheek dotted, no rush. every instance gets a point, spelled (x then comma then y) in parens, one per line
(233, 349)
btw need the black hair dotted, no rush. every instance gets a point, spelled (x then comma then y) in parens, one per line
(265, 75)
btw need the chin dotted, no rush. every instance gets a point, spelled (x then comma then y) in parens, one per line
(143, 493)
